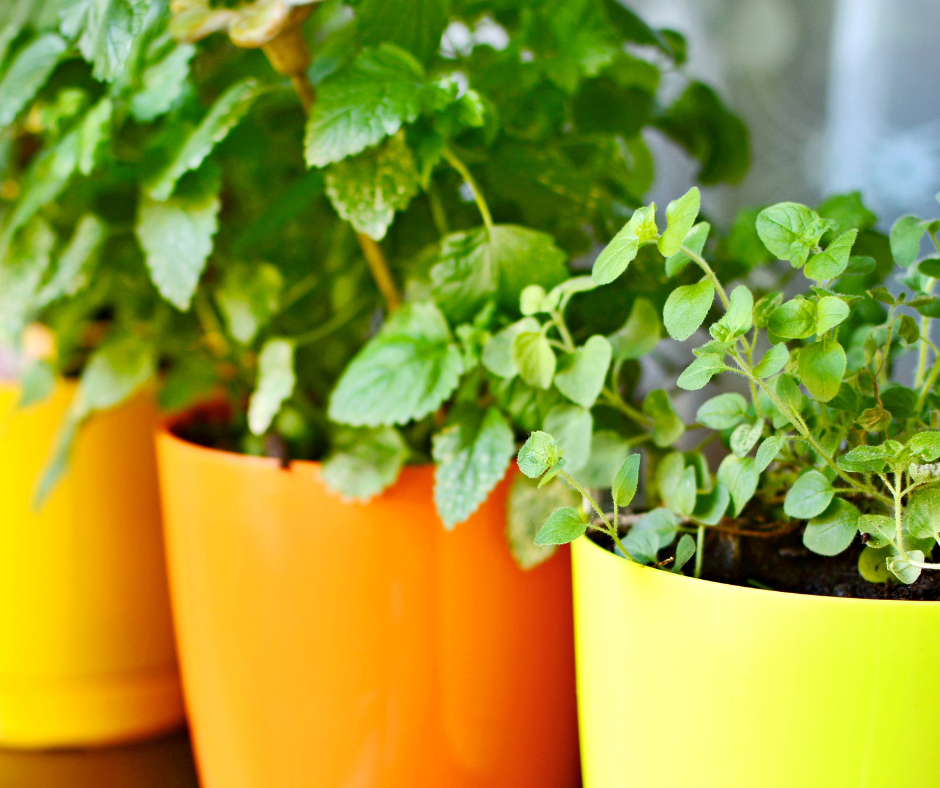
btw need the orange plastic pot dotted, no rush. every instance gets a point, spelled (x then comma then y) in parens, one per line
(86, 640)
(331, 644)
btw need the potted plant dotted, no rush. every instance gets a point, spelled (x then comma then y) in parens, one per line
(793, 586)
(89, 655)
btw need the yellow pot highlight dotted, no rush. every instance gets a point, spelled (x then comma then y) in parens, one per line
(86, 641)
(691, 684)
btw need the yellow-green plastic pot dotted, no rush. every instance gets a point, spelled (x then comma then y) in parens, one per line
(86, 639)
(684, 683)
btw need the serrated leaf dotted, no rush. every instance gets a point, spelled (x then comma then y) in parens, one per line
(773, 361)
(93, 132)
(834, 260)
(162, 82)
(723, 411)
(564, 526)
(740, 476)
(667, 424)
(686, 308)
(581, 374)
(745, 437)
(790, 231)
(680, 217)
(472, 453)
(640, 334)
(403, 373)
(176, 236)
(809, 496)
(364, 462)
(369, 100)
(527, 509)
(833, 531)
(276, 380)
(74, 265)
(248, 298)
(27, 73)
(571, 426)
(822, 365)
(626, 481)
(694, 242)
(224, 115)
(700, 371)
(104, 31)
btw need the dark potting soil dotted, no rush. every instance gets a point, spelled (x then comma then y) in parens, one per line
(782, 563)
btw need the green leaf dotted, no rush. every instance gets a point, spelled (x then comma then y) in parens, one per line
(364, 462)
(745, 437)
(834, 260)
(371, 99)
(582, 374)
(248, 298)
(859, 266)
(608, 451)
(531, 300)
(684, 552)
(476, 265)
(21, 273)
(908, 331)
(790, 231)
(766, 305)
(922, 514)
(403, 373)
(879, 528)
(925, 445)
(864, 459)
(740, 476)
(833, 531)
(564, 526)
(722, 412)
(903, 569)
(773, 361)
(527, 508)
(795, 319)
(275, 384)
(626, 481)
(163, 81)
(533, 356)
(538, 454)
(368, 189)
(739, 317)
(687, 307)
(36, 383)
(497, 353)
(700, 371)
(694, 242)
(104, 31)
(93, 132)
(472, 453)
(680, 217)
(710, 507)
(176, 236)
(27, 73)
(809, 496)
(906, 234)
(873, 564)
(640, 334)
(622, 250)
(414, 25)
(572, 427)
(822, 365)
(75, 263)
(225, 114)
(788, 392)
(559, 295)
(768, 451)
(667, 424)
(683, 496)
(830, 312)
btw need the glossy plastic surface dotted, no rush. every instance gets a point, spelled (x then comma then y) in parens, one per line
(691, 684)
(326, 643)
(86, 640)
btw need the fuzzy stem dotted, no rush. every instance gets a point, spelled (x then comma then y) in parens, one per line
(700, 261)
(611, 398)
(610, 529)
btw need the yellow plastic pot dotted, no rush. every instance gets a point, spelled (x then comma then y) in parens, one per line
(86, 641)
(684, 683)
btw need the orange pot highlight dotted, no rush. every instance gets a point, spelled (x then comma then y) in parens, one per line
(326, 643)
(86, 641)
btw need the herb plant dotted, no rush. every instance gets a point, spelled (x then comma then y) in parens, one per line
(823, 426)
(226, 199)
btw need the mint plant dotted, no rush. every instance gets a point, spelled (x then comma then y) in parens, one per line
(326, 214)
(823, 427)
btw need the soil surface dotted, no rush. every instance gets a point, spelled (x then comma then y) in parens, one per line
(782, 563)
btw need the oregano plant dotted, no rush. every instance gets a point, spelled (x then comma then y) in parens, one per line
(819, 422)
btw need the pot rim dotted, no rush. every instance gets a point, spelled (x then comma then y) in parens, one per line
(731, 589)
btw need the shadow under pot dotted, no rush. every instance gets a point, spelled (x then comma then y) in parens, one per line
(86, 641)
(695, 684)
(332, 643)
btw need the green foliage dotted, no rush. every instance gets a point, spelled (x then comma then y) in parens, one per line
(364, 462)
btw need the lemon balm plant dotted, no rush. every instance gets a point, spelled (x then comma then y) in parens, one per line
(823, 429)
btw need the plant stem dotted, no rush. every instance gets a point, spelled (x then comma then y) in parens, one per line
(454, 161)
(699, 551)
(438, 215)
(611, 530)
(700, 261)
(928, 385)
(563, 331)
(615, 401)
